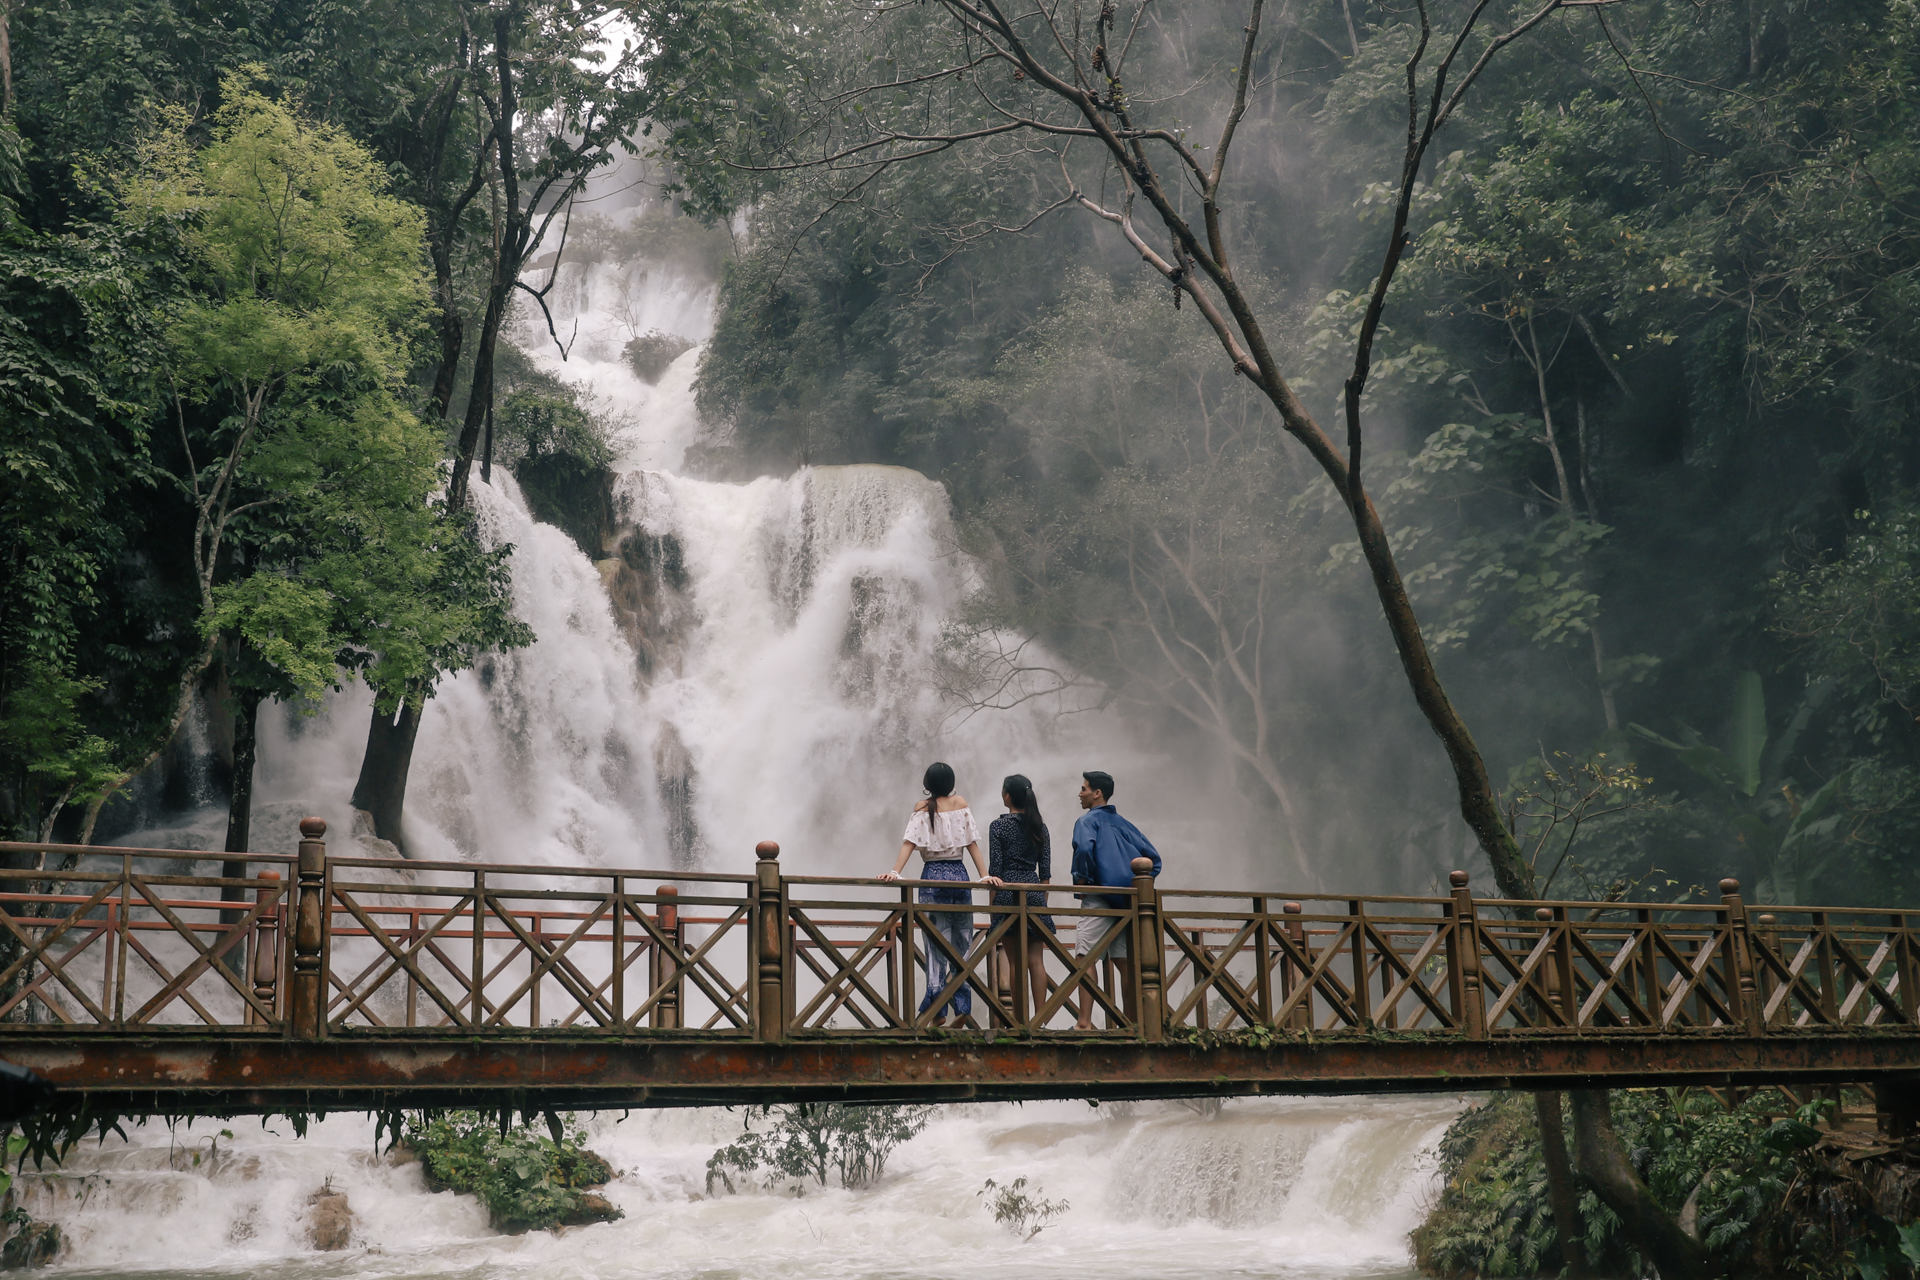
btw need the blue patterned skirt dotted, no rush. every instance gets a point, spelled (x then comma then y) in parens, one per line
(955, 926)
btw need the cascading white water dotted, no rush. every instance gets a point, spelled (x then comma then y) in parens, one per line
(758, 660)
(1263, 1188)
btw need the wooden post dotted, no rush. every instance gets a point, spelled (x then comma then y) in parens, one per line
(1301, 1019)
(1550, 986)
(1263, 964)
(770, 1008)
(1763, 974)
(1823, 958)
(266, 948)
(666, 1013)
(1362, 993)
(1464, 956)
(1904, 967)
(1653, 991)
(307, 1020)
(1742, 994)
(1149, 952)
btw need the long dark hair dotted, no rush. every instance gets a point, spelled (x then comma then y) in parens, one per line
(938, 780)
(1020, 792)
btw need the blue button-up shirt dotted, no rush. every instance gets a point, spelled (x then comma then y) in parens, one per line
(1104, 847)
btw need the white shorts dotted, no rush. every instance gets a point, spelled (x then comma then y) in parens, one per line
(1089, 931)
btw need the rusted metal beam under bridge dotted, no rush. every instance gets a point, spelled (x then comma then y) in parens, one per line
(231, 1076)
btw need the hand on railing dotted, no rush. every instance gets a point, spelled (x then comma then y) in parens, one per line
(995, 881)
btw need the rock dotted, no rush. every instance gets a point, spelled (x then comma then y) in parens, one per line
(402, 1153)
(372, 845)
(329, 1221)
(34, 1245)
(592, 1208)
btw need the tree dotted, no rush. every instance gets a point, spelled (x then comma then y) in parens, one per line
(556, 102)
(1153, 539)
(1053, 78)
(304, 270)
(521, 104)
(1857, 615)
(76, 352)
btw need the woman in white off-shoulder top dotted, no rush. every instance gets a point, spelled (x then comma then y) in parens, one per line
(939, 830)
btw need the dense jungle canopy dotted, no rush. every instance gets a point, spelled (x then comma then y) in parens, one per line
(1639, 423)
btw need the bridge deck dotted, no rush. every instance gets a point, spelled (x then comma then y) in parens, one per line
(313, 981)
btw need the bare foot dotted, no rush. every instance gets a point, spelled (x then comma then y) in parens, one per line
(1083, 1026)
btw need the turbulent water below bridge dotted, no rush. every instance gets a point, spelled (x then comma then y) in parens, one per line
(1285, 1188)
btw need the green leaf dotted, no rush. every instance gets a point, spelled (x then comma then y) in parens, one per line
(1910, 1243)
(1749, 736)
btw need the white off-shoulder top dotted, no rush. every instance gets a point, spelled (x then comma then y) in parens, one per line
(941, 837)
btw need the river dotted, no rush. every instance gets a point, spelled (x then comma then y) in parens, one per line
(1270, 1187)
(747, 661)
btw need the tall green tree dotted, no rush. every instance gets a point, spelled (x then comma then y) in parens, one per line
(77, 353)
(315, 543)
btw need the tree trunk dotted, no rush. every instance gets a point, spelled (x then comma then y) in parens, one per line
(240, 808)
(382, 788)
(510, 241)
(1652, 1231)
(6, 58)
(1478, 803)
(486, 456)
(1561, 1192)
(240, 819)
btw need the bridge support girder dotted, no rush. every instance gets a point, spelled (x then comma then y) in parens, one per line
(234, 1075)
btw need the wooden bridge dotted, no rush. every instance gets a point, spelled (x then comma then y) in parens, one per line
(313, 982)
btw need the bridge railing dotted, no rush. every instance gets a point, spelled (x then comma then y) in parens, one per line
(459, 947)
(125, 939)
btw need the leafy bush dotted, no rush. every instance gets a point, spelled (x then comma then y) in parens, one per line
(809, 1140)
(1758, 1188)
(527, 1180)
(650, 353)
(1024, 1215)
(1493, 1217)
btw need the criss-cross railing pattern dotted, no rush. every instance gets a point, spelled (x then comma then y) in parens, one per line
(870, 957)
(123, 939)
(433, 946)
(317, 946)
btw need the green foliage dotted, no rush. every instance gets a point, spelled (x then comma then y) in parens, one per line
(1554, 803)
(649, 354)
(528, 1181)
(1788, 840)
(548, 426)
(310, 282)
(1763, 1197)
(808, 1141)
(1857, 616)
(303, 257)
(1023, 1213)
(78, 351)
(1493, 1218)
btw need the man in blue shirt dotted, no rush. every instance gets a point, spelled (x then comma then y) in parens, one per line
(1104, 847)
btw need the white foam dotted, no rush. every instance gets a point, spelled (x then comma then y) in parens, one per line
(1263, 1188)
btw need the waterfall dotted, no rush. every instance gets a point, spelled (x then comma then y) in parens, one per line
(769, 659)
